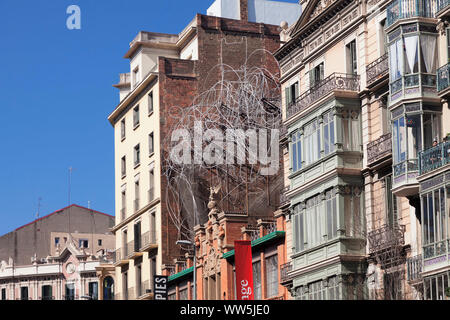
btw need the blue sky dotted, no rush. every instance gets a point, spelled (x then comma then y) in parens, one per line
(56, 90)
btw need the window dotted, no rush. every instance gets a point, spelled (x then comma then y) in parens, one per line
(296, 152)
(136, 116)
(316, 75)
(351, 130)
(70, 291)
(435, 287)
(391, 203)
(352, 64)
(152, 227)
(123, 211)
(183, 294)
(396, 60)
(139, 288)
(136, 76)
(151, 191)
(315, 221)
(137, 236)
(150, 103)
(137, 155)
(3, 293)
(352, 212)
(382, 33)
(272, 276)
(333, 289)
(151, 144)
(83, 243)
(292, 93)
(328, 133)
(257, 285)
(122, 129)
(93, 290)
(125, 285)
(123, 165)
(316, 290)
(152, 270)
(435, 232)
(136, 195)
(56, 241)
(99, 242)
(311, 142)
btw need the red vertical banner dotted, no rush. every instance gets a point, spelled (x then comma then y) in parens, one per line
(244, 270)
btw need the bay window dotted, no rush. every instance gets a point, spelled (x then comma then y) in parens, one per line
(414, 128)
(435, 226)
(315, 221)
(296, 152)
(328, 133)
(412, 57)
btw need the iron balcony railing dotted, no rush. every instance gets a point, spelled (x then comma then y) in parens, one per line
(436, 250)
(414, 268)
(283, 197)
(442, 4)
(148, 239)
(285, 270)
(378, 69)
(403, 9)
(117, 256)
(335, 81)
(143, 289)
(443, 79)
(434, 158)
(379, 148)
(386, 237)
(130, 249)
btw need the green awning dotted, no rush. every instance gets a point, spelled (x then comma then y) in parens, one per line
(181, 274)
(260, 241)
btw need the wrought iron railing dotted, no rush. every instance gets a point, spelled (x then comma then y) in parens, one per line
(442, 4)
(378, 69)
(117, 256)
(386, 237)
(434, 158)
(285, 269)
(283, 197)
(143, 289)
(443, 79)
(335, 81)
(403, 9)
(437, 249)
(148, 238)
(130, 249)
(379, 148)
(414, 267)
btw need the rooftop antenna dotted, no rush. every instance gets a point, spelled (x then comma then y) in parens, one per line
(38, 213)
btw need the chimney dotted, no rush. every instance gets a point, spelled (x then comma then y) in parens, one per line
(243, 9)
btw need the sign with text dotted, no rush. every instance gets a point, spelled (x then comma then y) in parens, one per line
(244, 270)
(160, 287)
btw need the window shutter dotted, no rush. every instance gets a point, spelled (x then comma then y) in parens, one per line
(321, 71)
(296, 91)
(288, 98)
(311, 78)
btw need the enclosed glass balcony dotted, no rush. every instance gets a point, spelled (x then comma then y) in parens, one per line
(404, 9)
(441, 6)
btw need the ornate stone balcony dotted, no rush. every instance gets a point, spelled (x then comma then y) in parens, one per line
(378, 70)
(379, 149)
(335, 81)
(149, 241)
(404, 9)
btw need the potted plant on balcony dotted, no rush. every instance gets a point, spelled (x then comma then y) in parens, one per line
(447, 293)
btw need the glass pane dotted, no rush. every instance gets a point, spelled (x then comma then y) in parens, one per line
(332, 140)
(414, 136)
(430, 219)
(326, 139)
(346, 134)
(257, 280)
(294, 157)
(356, 135)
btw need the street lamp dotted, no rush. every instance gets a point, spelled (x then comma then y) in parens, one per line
(189, 243)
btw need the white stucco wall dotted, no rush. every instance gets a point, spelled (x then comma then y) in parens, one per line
(261, 11)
